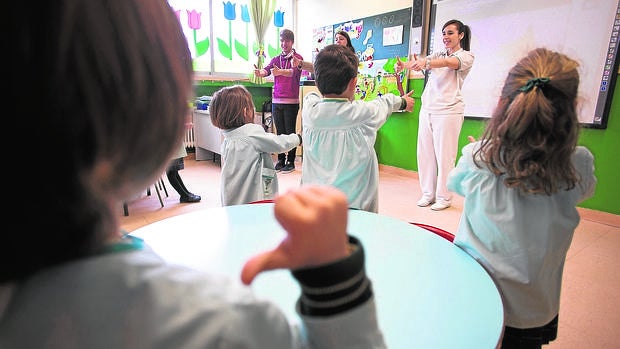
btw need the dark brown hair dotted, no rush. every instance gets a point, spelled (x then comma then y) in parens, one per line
(334, 67)
(112, 81)
(346, 36)
(461, 28)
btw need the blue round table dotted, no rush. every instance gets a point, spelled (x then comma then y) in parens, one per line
(429, 293)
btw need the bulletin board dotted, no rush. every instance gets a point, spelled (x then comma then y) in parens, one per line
(377, 40)
(503, 31)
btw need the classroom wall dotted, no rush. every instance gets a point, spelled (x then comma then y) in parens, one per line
(312, 14)
(396, 141)
(396, 146)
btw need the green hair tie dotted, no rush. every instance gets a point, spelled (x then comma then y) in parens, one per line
(534, 82)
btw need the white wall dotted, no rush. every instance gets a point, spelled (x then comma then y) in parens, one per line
(503, 31)
(312, 14)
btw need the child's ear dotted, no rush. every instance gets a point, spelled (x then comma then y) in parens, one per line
(249, 115)
(353, 83)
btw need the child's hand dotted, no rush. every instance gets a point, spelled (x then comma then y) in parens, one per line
(471, 139)
(410, 101)
(315, 219)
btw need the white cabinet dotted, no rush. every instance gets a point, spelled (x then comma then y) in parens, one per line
(208, 137)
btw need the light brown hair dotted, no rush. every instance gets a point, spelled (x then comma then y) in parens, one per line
(287, 34)
(231, 107)
(534, 129)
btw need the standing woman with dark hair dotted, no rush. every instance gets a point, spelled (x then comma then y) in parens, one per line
(341, 38)
(442, 112)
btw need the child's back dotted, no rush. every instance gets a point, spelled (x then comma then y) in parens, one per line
(248, 172)
(339, 138)
(340, 133)
(521, 185)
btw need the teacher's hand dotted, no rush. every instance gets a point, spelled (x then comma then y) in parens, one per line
(315, 219)
(259, 72)
(399, 66)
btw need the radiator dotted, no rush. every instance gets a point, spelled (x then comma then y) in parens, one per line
(189, 140)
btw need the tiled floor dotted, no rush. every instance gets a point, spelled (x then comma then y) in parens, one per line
(590, 304)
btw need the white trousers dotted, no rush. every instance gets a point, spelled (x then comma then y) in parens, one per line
(438, 141)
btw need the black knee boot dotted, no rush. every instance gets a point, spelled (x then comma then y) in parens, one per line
(177, 183)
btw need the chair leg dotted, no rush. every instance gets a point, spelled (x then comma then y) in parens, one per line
(161, 202)
(159, 184)
(163, 185)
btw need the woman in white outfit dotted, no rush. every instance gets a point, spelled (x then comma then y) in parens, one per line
(442, 112)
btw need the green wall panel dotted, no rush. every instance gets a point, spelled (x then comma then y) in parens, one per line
(396, 146)
(396, 140)
(260, 93)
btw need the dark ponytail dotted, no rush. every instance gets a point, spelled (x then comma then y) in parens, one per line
(462, 28)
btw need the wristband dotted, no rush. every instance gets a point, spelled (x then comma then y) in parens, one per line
(427, 66)
(299, 65)
(403, 103)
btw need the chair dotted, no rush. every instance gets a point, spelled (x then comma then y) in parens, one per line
(158, 186)
(266, 201)
(444, 234)
(266, 118)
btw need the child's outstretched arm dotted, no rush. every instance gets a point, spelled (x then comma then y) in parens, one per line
(410, 101)
(329, 266)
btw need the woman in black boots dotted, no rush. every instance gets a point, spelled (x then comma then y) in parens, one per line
(175, 180)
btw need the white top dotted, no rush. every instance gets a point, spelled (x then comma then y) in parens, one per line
(443, 90)
(248, 172)
(339, 139)
(134, 300)
(521, 240)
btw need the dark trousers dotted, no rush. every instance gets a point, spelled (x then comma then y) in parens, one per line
(530, 338)
(285, 119)
(175, 179)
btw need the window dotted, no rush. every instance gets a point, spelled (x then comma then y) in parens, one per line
(221, 36)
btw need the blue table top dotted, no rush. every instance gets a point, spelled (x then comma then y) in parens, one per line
(429, 293)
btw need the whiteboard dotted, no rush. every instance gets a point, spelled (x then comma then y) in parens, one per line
(503, 31)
